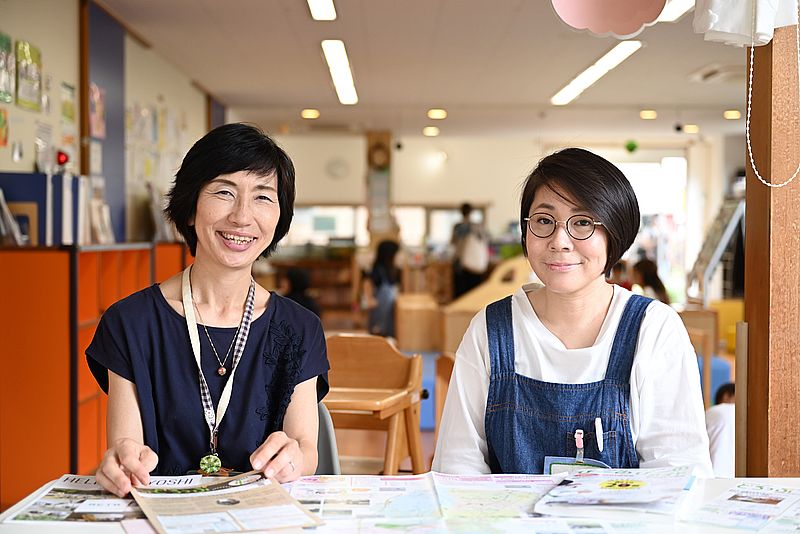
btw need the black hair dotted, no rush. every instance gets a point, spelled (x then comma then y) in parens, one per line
(648, 270)
(299, 279)
(723, 391)
(593, 183)
(466, 209)
(229, 149)
(384, 262)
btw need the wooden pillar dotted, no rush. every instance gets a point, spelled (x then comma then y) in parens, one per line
(772, 264)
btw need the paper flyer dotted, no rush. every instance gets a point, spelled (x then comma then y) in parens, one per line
(750, 506)
(80, 498)
(239, 504)
(584, 492)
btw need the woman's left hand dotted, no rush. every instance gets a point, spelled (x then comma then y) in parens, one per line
(279, 456)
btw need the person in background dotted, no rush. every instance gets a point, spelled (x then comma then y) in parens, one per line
(464, 279)
(645, 275)
(721, 428)
(168, 355)
(619, 275)
(575, 353)
(385, 278)
(299, 281)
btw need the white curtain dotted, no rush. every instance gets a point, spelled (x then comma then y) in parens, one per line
(731, 21)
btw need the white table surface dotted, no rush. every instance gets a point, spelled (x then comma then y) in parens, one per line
(703, 491)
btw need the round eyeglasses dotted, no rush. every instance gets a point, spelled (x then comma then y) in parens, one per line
(579, 227)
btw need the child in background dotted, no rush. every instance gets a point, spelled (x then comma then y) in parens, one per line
(299, 281)
(645, 275)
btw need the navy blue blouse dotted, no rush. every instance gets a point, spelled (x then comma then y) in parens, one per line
(143, 339)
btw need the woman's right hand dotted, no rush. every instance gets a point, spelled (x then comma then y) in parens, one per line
(126, 464)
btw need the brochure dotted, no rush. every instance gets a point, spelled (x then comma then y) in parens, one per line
(585, 492)
(751, 506)
(81, 498)
(239, 504)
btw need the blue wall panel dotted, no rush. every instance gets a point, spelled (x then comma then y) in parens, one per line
(107, 71)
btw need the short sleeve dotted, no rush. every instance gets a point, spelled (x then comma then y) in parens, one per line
(107, 351)
(316, 360)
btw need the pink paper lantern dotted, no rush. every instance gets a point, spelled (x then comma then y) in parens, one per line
(620, 18)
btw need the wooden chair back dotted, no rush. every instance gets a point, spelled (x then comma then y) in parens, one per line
(701, 324)
(366, 361)
(444, 369)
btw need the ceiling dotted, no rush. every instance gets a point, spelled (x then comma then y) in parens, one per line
(492, 64)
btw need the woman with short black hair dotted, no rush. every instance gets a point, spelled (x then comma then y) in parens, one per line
(574, 368)
(208, 370)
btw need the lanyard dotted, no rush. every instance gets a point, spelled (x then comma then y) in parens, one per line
(214, 420)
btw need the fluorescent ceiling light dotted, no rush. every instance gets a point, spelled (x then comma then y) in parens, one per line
(732, 114)
(648, 114)
(674, 10)
(691, 128)
(437, 114)
(322, 9)
(587, 78)
(342, 76)
(430, 131)
(310, 113)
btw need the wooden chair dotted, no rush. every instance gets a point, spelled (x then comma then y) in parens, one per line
(444, 368)
(702, 327)
(375, 387)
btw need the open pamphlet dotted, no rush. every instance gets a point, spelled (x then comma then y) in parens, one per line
(752, 506)
(584, 492)
(242, 503)
(80, 498)
(435, 502)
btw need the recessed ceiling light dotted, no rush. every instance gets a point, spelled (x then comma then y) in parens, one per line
(648, 114)
(691, 128)
(587, 78)
(437, 114)
(310, 113)
(674, 10)
(322, 9)
(339, 65)
(430, 131)
(732, 114)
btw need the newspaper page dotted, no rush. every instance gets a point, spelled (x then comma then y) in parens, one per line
(239, 504)
(583, 493)
(80, 498)
(751, 506)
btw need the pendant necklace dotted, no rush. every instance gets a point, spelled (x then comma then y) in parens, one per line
(211, 463)
(222, 370)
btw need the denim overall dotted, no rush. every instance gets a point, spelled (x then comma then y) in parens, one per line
(529, 419)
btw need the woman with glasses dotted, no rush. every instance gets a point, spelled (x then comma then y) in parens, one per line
(574, 369)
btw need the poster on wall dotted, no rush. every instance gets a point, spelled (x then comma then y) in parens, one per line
(97, 111)
(7, 69)
(29, 76)
(69, 133)
(3, 127)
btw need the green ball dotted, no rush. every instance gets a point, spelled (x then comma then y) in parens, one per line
(210, 464)
(631, 146)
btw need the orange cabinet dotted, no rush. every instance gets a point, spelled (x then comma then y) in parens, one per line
(52, 413)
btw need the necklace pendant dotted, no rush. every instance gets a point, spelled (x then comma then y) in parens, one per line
(210, 464)
(221, 371)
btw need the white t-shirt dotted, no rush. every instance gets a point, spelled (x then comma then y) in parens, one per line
(667, 419)
(721, 427)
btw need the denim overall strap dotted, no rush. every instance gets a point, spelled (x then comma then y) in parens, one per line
(501, 336)
(623, 349)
